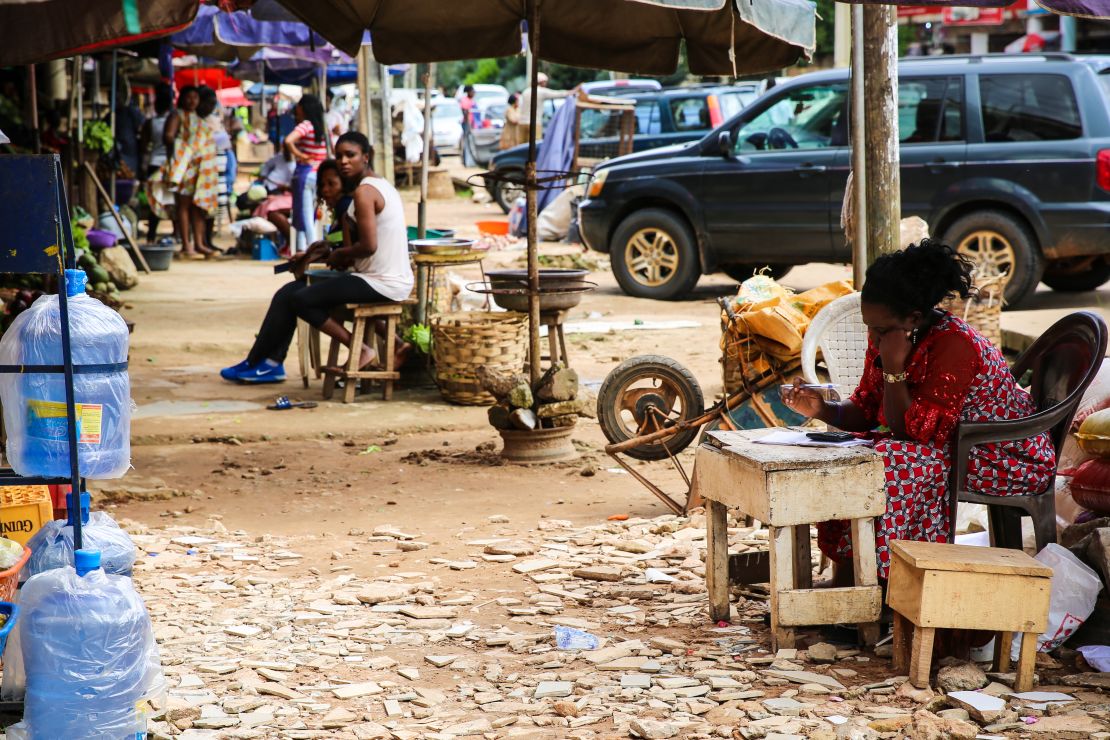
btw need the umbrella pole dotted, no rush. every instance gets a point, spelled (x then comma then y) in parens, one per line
(426, 154)
(880, 90)
(859, 152)
(114, 102)
(32, 83)
(265, 111)
(530, 195)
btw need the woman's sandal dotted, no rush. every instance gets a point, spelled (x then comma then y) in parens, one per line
(283, 403)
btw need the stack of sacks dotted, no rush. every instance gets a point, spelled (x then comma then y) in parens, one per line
(1083, 482)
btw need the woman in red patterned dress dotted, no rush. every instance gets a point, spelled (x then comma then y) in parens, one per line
(926, 371)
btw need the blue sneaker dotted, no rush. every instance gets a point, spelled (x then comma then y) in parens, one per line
(263, 372)
(232, 373)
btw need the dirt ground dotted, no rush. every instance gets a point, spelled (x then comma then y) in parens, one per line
(207, 453)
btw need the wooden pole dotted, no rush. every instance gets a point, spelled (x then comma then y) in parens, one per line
(530, 196)
(135, 252)
(859, 153)
(426, 155)
(33, 93)
(880, 90)
(113, 98)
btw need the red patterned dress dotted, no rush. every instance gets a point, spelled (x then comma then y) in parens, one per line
(954, 375)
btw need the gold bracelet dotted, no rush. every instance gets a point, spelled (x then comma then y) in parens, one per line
(895, 377)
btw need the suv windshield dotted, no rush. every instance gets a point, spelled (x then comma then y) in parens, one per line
(805, 118)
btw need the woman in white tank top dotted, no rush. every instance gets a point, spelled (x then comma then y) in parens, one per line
(379, 272)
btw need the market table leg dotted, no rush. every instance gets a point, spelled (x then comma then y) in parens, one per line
(780, 543)
(865, 569)
(716, 560)
(902, 643)
(922, 658)
(1003, 642)
(1026, 662)
(803, 557)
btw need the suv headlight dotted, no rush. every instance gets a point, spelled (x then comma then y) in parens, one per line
(597, 183)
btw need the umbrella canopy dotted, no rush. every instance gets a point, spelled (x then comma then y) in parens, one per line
(51, 29)
(721, 36)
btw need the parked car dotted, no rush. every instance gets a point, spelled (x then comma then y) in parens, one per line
(663, 117)
(1006, 157)
(447, 126)
(487, 133)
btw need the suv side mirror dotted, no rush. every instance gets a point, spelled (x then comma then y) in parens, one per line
(724, 145)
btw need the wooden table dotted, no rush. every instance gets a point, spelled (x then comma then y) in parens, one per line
(935, 585)
(788, 489)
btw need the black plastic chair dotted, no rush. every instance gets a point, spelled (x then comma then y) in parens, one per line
(1063, 362)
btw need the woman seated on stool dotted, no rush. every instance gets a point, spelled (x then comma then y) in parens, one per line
(377, 260)
(926, 371)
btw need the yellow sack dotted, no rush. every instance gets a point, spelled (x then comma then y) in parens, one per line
(777, 327)
(817, 298)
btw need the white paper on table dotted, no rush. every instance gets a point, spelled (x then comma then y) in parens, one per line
(791, 438)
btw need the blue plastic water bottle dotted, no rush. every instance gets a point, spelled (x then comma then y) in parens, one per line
(35, 403)
(86, 639)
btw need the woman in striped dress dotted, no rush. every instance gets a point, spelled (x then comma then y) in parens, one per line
(192, 172)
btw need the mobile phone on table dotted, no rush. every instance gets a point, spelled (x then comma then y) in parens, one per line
(830, 436)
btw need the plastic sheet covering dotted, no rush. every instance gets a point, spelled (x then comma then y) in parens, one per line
(34, 403)
(90, 658)
(52, 546)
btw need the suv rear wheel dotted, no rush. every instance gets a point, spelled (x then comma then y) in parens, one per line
(999, 244)
(1077, 274)
(743, 271)
(654, 255)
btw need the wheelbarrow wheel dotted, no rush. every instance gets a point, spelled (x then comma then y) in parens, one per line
(643, 395)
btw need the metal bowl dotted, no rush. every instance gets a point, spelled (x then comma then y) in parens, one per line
(550, 277)
(551, 299)
(441, 247)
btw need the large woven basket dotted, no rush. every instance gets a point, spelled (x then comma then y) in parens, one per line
(982, 310)
(464, 341)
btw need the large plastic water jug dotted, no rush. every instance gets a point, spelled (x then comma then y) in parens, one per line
(35, 403)
(88, 651)
(52, 546)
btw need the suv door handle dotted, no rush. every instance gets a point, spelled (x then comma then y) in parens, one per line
(810, 169)
(938, 165)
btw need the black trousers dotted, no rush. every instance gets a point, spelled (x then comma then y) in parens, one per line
(313, 303)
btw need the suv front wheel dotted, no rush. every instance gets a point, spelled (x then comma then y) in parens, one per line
(999, 244)
(654, 255)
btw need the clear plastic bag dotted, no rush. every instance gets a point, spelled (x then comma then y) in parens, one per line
(52, 546)
(90, 658)
(1075, 589)
(35, 403)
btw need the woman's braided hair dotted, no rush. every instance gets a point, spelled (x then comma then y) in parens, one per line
(917, 278)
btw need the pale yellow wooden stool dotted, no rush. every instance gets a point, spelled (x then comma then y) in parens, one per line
(992, 589)
(363, 315)
(788, 489)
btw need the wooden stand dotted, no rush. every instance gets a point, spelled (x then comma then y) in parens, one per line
(364, 314)
(790, 488)
(961, 587)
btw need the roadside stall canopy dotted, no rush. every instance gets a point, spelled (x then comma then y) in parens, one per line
(40, 30)
(239, 36)
(642, 37)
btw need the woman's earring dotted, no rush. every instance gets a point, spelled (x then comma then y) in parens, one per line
(913, 335)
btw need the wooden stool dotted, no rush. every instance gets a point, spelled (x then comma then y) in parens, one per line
(961, 587)
(364, 314)
(789, 488)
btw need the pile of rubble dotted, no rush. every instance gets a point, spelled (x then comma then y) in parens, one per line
(560, 631)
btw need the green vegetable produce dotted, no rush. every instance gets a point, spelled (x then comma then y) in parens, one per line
(98, 137)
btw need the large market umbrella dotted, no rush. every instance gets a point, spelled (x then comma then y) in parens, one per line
(40, 30)
(722, 37)
(239, 36)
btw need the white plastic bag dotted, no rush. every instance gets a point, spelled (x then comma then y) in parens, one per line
(1075, 589)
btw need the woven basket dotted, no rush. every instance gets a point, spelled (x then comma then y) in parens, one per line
(982, 310)
(464, 341)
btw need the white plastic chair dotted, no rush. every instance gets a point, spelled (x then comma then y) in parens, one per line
(839, 332)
